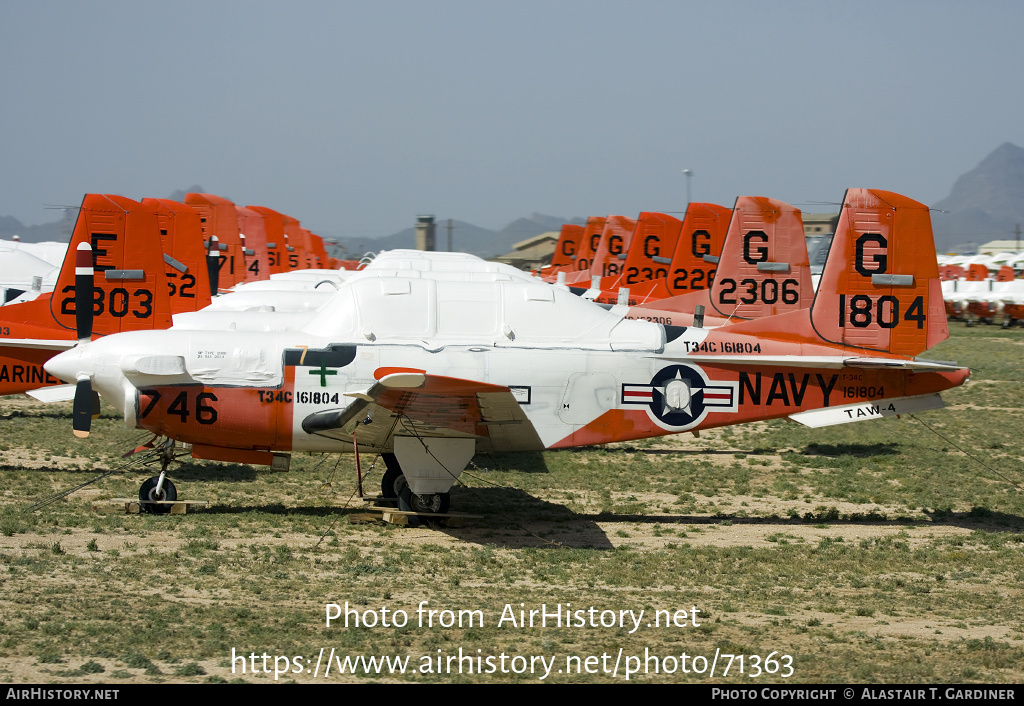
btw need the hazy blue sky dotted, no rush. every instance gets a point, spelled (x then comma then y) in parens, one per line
(356, 116)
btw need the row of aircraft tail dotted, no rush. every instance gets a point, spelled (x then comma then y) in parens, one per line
(154, 259)
(430, 358)
(663, 268)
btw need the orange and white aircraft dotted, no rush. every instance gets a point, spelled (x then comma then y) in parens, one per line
(430, 371)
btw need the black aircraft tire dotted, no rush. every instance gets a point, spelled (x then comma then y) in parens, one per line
(147, 494)
(404, 502)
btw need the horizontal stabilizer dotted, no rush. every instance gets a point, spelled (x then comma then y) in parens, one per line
(868, 410)
(820, 361)
(919, 366)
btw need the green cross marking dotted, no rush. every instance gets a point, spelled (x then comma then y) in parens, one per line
(323, 372)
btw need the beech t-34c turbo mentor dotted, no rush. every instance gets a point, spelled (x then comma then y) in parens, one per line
(429, 370)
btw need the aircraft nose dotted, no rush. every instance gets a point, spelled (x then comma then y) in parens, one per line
(69, 365)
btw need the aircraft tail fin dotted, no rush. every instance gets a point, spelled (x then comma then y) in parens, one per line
(219, 219)
(977, 272)
(764, 269)
(695, 260)
(613, 247)
(129, 291)
(273, 229)
(648, 258)
(565, 250)
(880, 288)
(188, 282)
(253, 232)
(579, 271)
(948, 272)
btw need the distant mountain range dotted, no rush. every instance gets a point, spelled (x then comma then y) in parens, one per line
(59, 231)
(466, 237)
(986, 203)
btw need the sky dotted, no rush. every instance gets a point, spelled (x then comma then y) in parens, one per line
(354, 117)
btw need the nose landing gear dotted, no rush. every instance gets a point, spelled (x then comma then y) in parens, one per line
(154, 490)
(159, 488)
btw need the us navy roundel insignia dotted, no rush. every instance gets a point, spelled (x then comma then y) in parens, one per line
(680, 396)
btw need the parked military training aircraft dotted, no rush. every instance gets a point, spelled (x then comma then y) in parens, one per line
(429, 371)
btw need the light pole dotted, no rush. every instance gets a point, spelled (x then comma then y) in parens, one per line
(689, 174)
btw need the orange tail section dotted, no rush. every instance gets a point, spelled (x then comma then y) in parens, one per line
(323, 260)
(565, 249)
(649, 257)
(694, 264)
(294, 244)
(615, 242)
(273, 223)
(880, 288)
(948, 272)
(130, 291)
(219, 219)
(589, 242)
(764, 268)
(977, 273)
(253, 231)
(695, 259)
(654, 243)
(188, 281)
(313, 262)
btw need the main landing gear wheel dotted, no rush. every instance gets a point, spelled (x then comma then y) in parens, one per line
(409, 501)
(435, 502)
(394, 485)
(148, 494)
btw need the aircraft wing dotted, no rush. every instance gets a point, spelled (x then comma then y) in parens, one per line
(413, 403)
